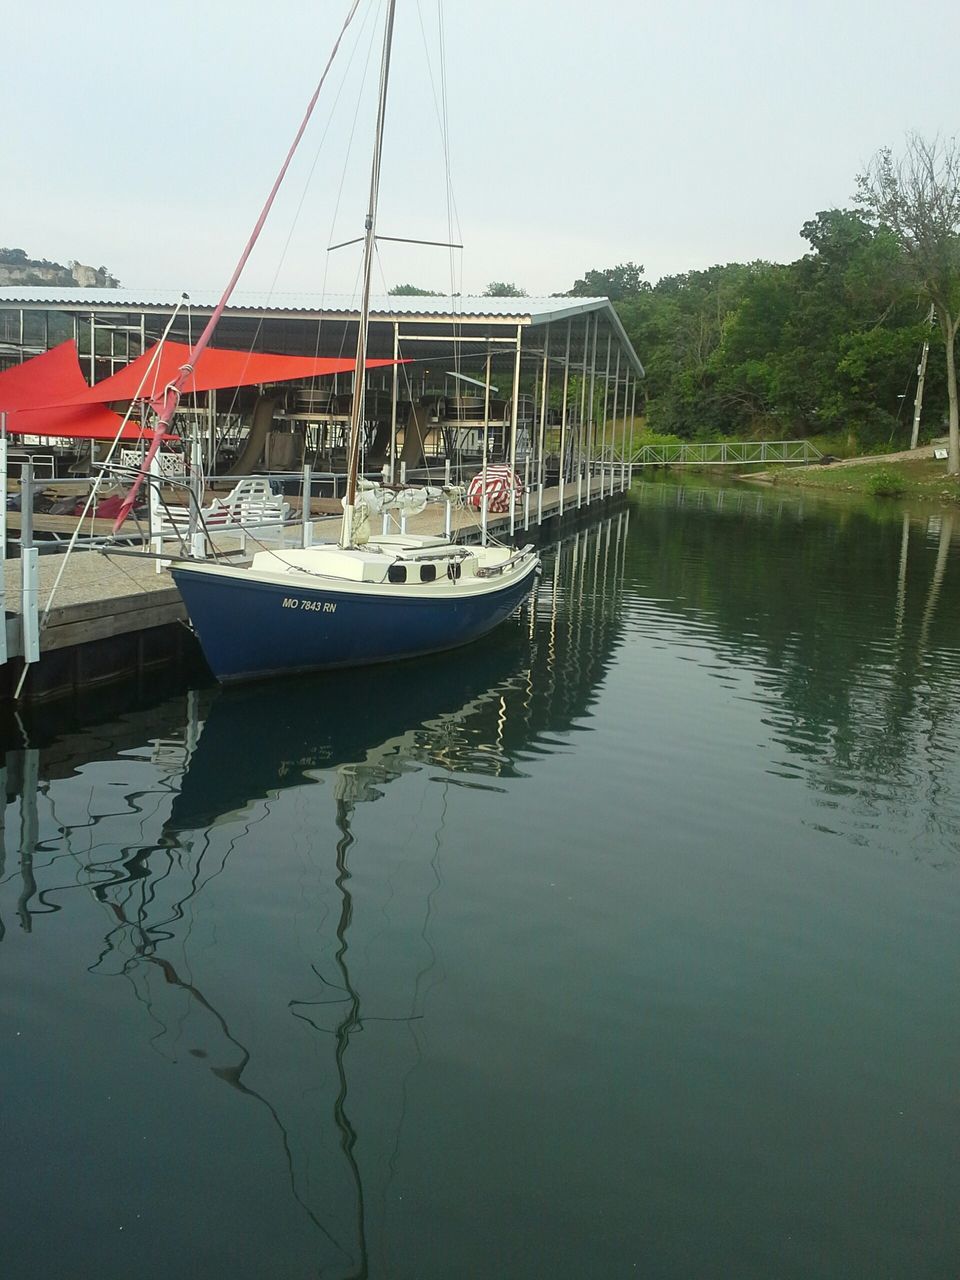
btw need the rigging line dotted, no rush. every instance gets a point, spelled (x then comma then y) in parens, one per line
(96, 484)
(351, 136)
(164, 408)
(436, 107)
(299, 209)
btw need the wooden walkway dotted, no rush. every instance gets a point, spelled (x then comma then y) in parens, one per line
(101, 596)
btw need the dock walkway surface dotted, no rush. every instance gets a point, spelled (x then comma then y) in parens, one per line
(101, 596)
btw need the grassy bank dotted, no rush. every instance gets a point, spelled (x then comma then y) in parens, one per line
(922, 479)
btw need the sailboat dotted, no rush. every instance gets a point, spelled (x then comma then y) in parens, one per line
(368, 598)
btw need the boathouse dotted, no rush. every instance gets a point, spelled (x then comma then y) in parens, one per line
(528, 368)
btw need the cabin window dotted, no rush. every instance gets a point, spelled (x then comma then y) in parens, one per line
(397, 573)
(428, 573)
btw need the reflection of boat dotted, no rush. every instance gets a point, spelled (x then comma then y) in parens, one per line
(369, 726)
(368, 599)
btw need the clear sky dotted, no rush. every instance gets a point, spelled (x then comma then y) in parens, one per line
(681, 134)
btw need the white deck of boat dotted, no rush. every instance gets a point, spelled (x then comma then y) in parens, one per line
(100, 595)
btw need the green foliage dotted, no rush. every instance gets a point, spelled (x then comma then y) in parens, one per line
(828, 343)
(886, 483)
(503, 289)
(412, 291)
(616, 283)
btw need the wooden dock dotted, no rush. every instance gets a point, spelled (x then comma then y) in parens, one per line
(113, 614)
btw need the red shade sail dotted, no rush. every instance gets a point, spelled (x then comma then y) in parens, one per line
(215, 368)
(48, 379)
(75, 422)
(28, 390)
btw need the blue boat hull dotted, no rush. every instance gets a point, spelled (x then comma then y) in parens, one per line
(249, 628)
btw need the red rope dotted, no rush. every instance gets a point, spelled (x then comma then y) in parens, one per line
(165, 405)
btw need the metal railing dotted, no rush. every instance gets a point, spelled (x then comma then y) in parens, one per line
(738, 453)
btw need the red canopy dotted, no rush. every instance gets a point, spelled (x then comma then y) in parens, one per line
(75, 422)
(48, 379)
(215, 368)
(55, 377)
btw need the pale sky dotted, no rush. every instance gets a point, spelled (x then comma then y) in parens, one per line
(145, 137)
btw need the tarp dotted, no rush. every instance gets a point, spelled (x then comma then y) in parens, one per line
(215, 368)
(52, 378)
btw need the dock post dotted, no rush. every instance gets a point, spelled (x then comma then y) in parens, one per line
(306, 513)
(197, 537)
(3, 536)
(29, 570)
(154, 513)
(403, 481)
(526, 493)
(483, 519)
(540, 502)
(385, 518)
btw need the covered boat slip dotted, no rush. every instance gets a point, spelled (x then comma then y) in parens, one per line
(536, 382)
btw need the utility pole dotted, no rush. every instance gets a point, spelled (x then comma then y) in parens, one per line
(921, 375)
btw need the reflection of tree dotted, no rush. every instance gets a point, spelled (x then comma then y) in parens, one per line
(841, 615)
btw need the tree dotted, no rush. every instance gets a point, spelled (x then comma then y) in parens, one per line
(917, 196)
(503, 289)
(616, 283)
(412, 291)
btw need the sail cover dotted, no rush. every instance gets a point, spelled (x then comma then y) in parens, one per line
(27, 390)
(215, 368)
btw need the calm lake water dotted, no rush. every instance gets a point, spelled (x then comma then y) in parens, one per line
(626, 943)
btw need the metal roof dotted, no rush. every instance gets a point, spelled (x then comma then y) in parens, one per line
(463, 309)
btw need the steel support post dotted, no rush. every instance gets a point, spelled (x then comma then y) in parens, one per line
(589, 424)
(486, 450)
(3, 537)
(544, 398)
(563, 419)
(306, 514)
(613, 420)
(393, 402)
(514, 411)
(633, 423)
(29, 574)
(583, 411)
(603, 429)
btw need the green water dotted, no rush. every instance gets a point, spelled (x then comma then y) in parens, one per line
(622, 944)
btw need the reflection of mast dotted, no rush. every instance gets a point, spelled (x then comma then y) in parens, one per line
(345, 1028)
(29, 834)
(232, 1073)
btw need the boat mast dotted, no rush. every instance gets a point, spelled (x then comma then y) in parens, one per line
(369, 245)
